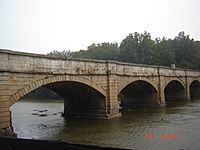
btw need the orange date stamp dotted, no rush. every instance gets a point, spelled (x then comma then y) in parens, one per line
(150, 136)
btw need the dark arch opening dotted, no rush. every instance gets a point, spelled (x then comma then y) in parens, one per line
(174, 91)
(195, 90)
(80, 100)
(138, 94)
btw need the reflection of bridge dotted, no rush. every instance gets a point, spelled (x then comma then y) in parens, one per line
(91, 88)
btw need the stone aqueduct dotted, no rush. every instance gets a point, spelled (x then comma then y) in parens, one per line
(91, 88)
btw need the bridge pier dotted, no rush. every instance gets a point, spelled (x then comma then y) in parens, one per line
(5, 127)
(161, 89)
(112, 105)
(5, 116)
(95, 106)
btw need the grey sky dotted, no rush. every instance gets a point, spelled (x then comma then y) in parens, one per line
(40, 26)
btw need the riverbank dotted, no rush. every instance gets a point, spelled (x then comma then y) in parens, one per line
(7, 143)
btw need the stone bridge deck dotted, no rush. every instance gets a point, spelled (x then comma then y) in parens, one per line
(91, 88)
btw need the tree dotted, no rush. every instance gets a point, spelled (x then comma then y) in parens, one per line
(62, 54)
(147, 49)
(129, 48)
(186, 51)
(138, 48)
(141, 48)
(164, 53)
(104, 51)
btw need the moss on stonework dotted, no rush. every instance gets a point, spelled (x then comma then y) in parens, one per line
(6, 133)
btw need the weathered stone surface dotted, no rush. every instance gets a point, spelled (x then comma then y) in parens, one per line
(95, 85)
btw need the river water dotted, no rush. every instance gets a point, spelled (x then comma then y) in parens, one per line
(176, 126)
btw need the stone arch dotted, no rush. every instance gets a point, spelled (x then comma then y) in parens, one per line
(194, 88)
(192, 80)
(122, 86)
(175, 90)
(174, 79)
(138, 93)
(58, 78)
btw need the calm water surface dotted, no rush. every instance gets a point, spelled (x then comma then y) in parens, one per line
(129, 131)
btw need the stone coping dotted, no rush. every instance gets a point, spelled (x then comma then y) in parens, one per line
(7, 51)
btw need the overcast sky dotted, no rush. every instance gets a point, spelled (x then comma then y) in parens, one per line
(40, 26)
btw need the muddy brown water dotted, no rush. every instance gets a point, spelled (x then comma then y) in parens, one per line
(176, 126)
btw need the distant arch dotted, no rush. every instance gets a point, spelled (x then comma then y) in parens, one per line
(194, 90)
(139, 93)
(177, 80)
(122, 86)
(175, 90)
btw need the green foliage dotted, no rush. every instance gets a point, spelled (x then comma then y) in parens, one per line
(164, 52)
(187, 54)
(138, 48)
(61, 54)
(141, 48)
(104, 51)
(129, 48)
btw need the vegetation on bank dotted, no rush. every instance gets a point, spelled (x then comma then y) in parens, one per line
(182, 51)
(42, 94)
